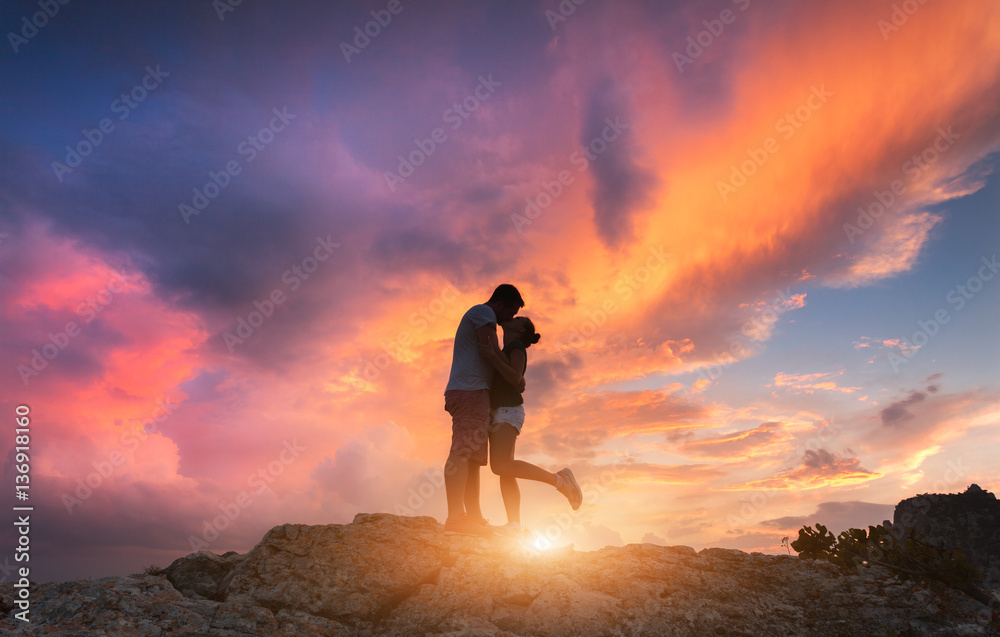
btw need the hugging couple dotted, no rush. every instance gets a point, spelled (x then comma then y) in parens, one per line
(487, 412)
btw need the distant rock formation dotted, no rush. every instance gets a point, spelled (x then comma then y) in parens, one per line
(969, 521)
(390, 575)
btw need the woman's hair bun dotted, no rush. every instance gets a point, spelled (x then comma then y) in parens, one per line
(529, 336)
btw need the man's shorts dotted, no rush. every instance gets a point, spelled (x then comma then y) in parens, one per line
(510, 415)
(470, 421)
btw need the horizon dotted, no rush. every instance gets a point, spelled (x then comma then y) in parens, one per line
(759, 243)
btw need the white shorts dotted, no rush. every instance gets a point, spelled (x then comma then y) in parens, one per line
(510, 415)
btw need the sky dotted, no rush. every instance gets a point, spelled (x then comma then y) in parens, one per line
(759, 241)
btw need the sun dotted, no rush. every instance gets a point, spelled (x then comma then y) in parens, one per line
(540, 543)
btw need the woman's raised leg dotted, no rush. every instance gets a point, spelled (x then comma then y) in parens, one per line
(502, 462)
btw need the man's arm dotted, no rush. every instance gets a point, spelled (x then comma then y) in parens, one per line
(490, 350)
(487, 335)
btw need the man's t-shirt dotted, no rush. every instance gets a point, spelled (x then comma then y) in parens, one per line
(469, 370)
(502, 393)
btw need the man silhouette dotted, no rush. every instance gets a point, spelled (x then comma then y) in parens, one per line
(467, 399)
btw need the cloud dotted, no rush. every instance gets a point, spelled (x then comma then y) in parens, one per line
(913, 431)
(652, 538)
(761, 542)
(897, 413)
(933, 387)
(596, 536)
(639, 473)
(837, 516)
(809, 383)
(819, 468)
(577, 428)
(760, 325)
(621, 186)
(741, 444)
(371, 470)
(896, 251)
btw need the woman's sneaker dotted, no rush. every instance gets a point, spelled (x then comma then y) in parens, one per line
(464, 525)
(566, 485)
(512, 529)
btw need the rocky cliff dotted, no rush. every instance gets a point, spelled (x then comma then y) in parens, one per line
(391, 575)
(969, 521)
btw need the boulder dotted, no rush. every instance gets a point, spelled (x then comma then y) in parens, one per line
(200, 574)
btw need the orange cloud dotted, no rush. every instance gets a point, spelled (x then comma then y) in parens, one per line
(577, 428)
(642, 473)
(808, 383)
(819, 468)
(760, 441)
(837, 143)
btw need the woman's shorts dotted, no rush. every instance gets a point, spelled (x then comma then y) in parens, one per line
(510, 415)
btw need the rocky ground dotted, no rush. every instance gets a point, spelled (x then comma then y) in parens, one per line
(392, 575)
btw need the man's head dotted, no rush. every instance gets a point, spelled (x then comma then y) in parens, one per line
(506, 301)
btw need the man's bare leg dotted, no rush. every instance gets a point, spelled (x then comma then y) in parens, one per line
(472, 492)
(456, 471)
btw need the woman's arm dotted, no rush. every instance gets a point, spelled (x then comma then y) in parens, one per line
(511, 371)
(490, 350)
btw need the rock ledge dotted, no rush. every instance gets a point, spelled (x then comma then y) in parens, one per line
(390, 575)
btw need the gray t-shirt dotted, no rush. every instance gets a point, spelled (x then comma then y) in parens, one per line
(469, 370)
